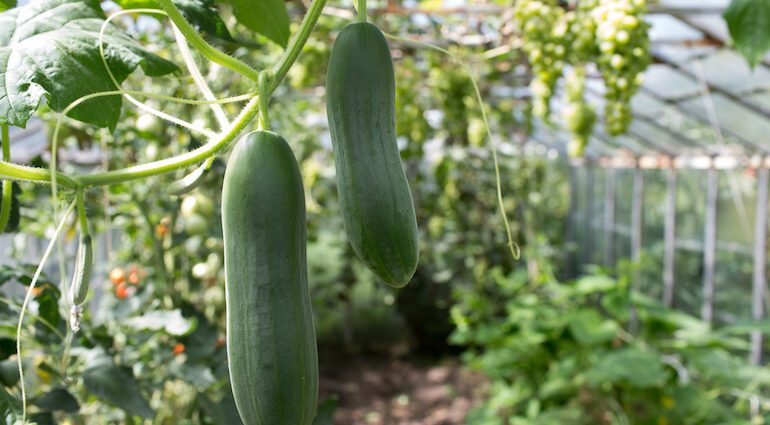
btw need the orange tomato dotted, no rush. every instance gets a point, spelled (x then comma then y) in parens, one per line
(121, 291)
(118, 275)
(134, 275)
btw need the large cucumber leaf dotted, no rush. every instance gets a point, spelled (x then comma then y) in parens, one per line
(202, 14)
(267, 17)
(749, 24)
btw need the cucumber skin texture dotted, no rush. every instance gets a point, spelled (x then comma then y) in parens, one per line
(271, 345)
(375, 200)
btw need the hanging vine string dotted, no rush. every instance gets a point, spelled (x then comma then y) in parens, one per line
(27, 298)
(512, 245)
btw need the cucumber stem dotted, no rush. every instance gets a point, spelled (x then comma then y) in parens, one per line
(361, 7)
(5, 206)
(202, 46)
(81, 206)
(264, 99)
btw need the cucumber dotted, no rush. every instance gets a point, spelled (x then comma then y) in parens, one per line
(271, 346)
(376, 204)
(84, 261)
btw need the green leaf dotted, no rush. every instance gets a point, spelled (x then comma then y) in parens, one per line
(117, 386)
(222, 411)
(719, 366)
(267, 17)
(202, 14)
(9, 373)
(13, 221)
(749, 25)
(57, 399)
(49, 50)
(10, 407)
(641, 369)
(593, 284)
(325, 413)
(590, 328)
(172, 322)
(7, 4)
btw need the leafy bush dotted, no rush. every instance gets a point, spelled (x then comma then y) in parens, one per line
(593, 351)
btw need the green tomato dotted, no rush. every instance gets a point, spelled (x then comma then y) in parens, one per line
(196, 224)
(203, 205)
(147, 123)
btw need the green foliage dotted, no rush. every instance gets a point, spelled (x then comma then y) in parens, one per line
(749, 25)
(562, 350)
(267, 17)
(33, 67)
(202, 14)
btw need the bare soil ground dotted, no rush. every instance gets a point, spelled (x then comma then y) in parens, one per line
(401, 392)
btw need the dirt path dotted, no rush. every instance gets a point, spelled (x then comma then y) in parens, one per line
(401, 392)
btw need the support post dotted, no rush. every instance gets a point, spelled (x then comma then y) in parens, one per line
(572, 241)
(609, 217)
(760, 263)
(589, 215)
(636, 237)
(669, 239)
(636, 214)
(710, 244)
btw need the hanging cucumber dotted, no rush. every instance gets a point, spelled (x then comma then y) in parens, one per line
(376, 204)
(271, 346)
(84, 261)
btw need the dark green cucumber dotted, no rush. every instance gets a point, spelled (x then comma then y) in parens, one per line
(271, 346)
(377, 206)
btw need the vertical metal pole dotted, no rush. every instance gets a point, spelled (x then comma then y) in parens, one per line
(609, 217)
(669, 239)
(636, 236)
(710, 244)
(572, 222)
(589, 215)
(636, 214)
(760, 262)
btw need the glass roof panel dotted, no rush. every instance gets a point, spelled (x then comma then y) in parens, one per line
(761, 100)
(733, 117)
(729, 70)
(712, 23)
(668, 83)
(646, 105)
(705, 4)
(666, 28)
(659, 137)
(679, 53)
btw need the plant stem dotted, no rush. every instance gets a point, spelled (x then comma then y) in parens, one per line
(80, 197)
(202, 46)
(297, 43)
(26, 173)
(5, 206)
(361, 6)
(177, 162)
(264, 99)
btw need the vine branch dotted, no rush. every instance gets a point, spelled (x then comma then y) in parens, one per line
(209, 51)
